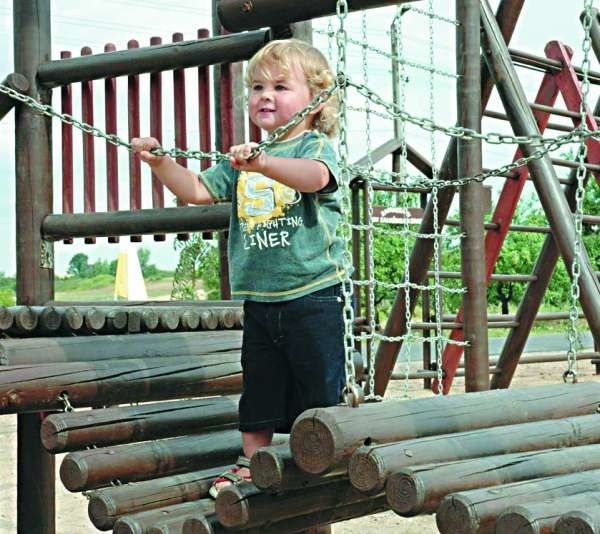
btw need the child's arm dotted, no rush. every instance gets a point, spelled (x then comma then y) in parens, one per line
(304, 175)
(182, 182)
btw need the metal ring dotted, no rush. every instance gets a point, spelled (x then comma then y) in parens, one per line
(353, 395)
(572, 374)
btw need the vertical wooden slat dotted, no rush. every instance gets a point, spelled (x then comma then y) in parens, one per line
(204, 112)
(135, 166)
(89, 166)
(156, 131)
(66, 100)
(112, 166)
(180, 118)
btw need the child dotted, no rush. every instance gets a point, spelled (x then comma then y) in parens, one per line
(286, 261)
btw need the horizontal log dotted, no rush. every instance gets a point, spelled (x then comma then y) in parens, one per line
(109, 347)
(274, 471)
(309, 523)
(370, 466)
(106, 506)
(240, 15)
(212, 217)
(15, 81)
(420, 489)
(476, 511)
(96, 468)
(78, 430)
(579, 522)
(176, 513)
(27, 388)
(199, 53)
(150, 303)
(244, 505)
(324, 438)
(541, 517)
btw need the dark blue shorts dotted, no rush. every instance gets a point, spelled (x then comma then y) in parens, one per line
(292, 358)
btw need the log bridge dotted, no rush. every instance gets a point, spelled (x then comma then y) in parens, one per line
(141, 398)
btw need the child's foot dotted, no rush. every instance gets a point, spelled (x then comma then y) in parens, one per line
(239, 473)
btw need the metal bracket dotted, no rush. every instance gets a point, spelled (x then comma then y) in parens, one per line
(47, 255)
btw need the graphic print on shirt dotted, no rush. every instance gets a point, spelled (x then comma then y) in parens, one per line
(262, 204)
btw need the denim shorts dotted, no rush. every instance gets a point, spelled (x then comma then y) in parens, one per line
(292, 359)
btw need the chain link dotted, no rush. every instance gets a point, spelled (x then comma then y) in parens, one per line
(64, 399)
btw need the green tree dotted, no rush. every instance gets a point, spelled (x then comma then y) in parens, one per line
(198, 267)
(79, 265)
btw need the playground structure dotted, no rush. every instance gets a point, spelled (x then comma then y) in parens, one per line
(160, 457)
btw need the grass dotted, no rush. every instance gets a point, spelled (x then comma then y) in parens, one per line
(101, 288)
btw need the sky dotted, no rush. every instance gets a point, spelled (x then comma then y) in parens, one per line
(117, 21)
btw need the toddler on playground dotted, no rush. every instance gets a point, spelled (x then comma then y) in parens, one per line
(286, 259)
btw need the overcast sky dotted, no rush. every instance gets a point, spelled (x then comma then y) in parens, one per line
(117, 21)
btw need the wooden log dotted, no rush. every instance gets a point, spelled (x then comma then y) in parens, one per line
(541, 517)
(209, 320)
(244, 505)
(105, 506)
(420, 489)
(94, 320)
(15, 81)
(476, 511)
(81, 349)
(190, 319)
(579, 522)
(370, 466)
(150, 303)
(274, 471)
(6, 318)
(168, 320)
(109, 382)
(96, 468)
(324, 438)
(140, 523)
(70, 431)
(24, 320)
(315, 522)
(149, 319)
(72, 319)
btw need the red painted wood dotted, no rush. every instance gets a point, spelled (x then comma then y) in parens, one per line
(66, 99)
(112, 165)
(135, 165)
(89, 166)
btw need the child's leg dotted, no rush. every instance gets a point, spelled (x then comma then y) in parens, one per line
(255, 440)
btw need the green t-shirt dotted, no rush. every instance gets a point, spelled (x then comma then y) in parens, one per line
(283, 244)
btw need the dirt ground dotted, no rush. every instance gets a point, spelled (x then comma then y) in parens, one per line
(71, 509)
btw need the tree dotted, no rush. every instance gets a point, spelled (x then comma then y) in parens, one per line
(79, 265)
(198, 266)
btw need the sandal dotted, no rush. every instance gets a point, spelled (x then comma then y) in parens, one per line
(232, 476)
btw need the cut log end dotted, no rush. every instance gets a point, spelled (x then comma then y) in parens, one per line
(517, 520)
(266, 469)
(313, 442)
(127, 526)
(231, 507)
(456, 516)
(53, 434)
(102, 511)
(366, 471)
(576, 523)
(73, 474)
(405, 494)
(199, 525)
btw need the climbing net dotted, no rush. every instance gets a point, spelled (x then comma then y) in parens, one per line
(417, 84)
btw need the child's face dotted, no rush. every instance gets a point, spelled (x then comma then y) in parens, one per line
(275, 96)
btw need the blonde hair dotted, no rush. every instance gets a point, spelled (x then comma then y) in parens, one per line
(287, 52)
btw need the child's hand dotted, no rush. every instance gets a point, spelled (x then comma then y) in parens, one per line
(142, 146)
(241, 154)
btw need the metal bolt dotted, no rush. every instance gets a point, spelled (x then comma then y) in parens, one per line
(247, 6)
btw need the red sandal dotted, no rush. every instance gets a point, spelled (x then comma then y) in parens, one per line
(232, 476)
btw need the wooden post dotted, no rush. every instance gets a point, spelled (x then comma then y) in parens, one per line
(420, 489)
(472, 209)
(109, 504)
(18, 83)
(323, 438)
(77, 430)
(476, 511)
(541, 517)
(370, 466)
(35, 257)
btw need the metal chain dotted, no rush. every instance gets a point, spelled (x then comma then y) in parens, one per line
(351, 391)
(64, 399)
(436, 222)
(369, 232)
(571, 373)
(274, 136)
